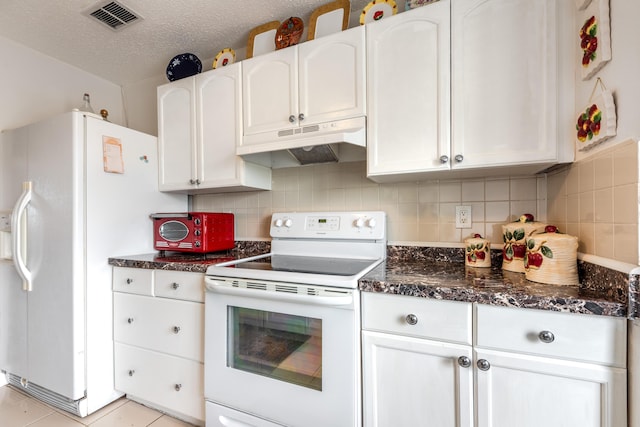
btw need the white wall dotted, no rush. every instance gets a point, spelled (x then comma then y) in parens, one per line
(35, 86)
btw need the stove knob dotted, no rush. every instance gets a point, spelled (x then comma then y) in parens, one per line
(288, 223)
(371, 223)
(197, 243)
(278, 223)
(359, 223)
(197, 232)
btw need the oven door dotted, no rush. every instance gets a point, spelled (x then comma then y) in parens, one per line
(286, 353)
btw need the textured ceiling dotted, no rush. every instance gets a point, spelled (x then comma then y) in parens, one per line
(203, 27)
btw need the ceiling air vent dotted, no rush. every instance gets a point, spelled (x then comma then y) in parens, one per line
(113, 14)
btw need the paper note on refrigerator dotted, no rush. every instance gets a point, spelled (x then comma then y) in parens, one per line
(112, 155)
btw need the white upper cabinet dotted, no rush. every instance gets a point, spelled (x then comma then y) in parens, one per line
(474, 86)
(311, 83)
(505, 87)
(176, 135)
(408, 64)
(200, 126)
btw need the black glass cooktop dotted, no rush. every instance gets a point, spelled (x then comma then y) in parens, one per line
(308, 265)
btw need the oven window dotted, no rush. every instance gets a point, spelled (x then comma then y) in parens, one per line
(276, 345)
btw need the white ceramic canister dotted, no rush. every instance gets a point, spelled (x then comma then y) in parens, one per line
(477, 251)
(552, 258)
(513, 236)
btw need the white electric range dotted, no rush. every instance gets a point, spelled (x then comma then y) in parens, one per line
(282, 329)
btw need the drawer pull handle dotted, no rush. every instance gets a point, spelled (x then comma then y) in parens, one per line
(178, 387)
(129, 281)
(131, 372)
(464, 361)
(176, 329)
(546, 337)
(130, 320)
(175, 286)
(483, 364)
(411, 319)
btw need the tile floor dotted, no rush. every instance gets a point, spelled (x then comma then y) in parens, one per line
(20, 410)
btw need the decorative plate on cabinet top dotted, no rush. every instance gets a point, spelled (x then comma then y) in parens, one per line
(412, 4)
(289, 32)
(226, 56)
(378, 9)
(183, 65)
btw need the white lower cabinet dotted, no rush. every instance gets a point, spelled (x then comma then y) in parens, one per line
(526, 368)
(159, 340)
(411, 375)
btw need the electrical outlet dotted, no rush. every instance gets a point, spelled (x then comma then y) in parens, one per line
(463, 216)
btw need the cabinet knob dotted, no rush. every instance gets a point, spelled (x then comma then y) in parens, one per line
(176, 329)
(130, 320)
(411, 319)
(483, 364)
(546, 337)
(464, 361)
(129, 281)
(458, 158)
(175, 286)
(444, 159)
(131, 372)
(301, 117)
(292, 118)
(192, 181)
(197, 182)
(177, 387)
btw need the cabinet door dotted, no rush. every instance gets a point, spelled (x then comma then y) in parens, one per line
(219, 126)
(504, 65)
(408, 91)
(176, 135)
(529, 391)
(332, 77)
(410, 382)
(270, 91)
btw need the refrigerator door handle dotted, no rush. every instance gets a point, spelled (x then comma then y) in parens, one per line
(19, 233)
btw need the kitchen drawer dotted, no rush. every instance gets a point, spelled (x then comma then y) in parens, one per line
(587, 338)
(180, 285)
(169, 326)
(436, 319)
(133, 280)
(173, 383)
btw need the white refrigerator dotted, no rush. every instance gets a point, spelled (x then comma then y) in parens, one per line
(80, 189)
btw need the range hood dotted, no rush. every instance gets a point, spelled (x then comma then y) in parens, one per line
(338, 141)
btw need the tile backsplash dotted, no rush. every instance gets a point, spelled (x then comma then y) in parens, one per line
(595, 199)
(418, 212)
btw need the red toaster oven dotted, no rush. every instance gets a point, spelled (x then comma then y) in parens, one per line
(199, 232)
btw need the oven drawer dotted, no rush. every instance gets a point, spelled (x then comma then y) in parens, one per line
(221, 416)
(588, 338)
(133, 280)
(180, 285)
(434, 319)
(173, 383)
(169, 326)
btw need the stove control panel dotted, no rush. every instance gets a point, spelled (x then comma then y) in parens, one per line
(330, 225)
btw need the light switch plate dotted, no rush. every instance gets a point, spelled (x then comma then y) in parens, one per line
(463, 216)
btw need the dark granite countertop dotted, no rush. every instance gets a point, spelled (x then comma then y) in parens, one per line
(455, 282)
(440, 273)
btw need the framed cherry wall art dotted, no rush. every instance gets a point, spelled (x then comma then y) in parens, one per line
(594, 37)
(596, 122)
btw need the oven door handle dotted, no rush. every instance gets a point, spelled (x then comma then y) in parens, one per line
(220, 288)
